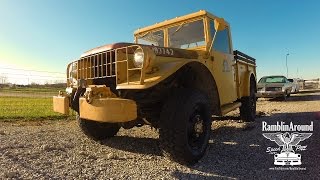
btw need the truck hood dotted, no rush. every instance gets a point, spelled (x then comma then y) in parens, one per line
(105, 48)
(159, 51)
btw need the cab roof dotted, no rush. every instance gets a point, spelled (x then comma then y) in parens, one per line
(200, 13)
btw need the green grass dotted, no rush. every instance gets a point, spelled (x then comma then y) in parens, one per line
(28, 108)
(32, 90)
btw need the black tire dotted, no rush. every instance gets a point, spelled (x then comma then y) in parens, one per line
(97, 130)
(285, 95)
(248, 105)
(185, 126)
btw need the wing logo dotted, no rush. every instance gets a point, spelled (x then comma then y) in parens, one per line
(288, 143)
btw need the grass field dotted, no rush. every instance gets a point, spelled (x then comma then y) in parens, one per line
(27, 108)
(28, 89)
(43, 92)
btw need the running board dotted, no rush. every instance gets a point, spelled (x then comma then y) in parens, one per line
(229, 107)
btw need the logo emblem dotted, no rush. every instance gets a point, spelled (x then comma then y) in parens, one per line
(287, 141)
(226, 67)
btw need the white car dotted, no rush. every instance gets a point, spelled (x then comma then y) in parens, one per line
(295, 85)
(274, 86)
(287, 158)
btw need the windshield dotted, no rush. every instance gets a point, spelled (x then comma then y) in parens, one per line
(273, 79)
(155, 38)
(187, 35)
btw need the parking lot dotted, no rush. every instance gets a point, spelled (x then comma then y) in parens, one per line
(237, 150)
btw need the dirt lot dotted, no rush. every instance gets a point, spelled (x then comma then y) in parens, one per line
(58, 150)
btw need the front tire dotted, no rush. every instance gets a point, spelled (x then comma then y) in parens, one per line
(185, 126)
(98, 130)
(285, 96)
(249, 103)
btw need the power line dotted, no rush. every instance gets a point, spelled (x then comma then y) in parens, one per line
(31, 70)
(31, 78)
(28, 75)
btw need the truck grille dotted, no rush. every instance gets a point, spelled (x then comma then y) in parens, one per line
(101, 68)
(100, 65)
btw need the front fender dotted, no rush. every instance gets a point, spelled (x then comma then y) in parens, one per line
(161, 72)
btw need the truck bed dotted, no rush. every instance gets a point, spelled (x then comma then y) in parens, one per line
(240, 56)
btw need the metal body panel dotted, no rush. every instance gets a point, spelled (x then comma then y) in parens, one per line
(112, 110)
(223, 72)
(165, 69)
(243, 72)
(229, 107)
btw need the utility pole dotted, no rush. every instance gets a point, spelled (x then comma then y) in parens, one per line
(287, 63)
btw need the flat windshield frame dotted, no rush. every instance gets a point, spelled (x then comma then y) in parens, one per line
(177, 35)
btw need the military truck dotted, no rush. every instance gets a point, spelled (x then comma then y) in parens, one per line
(175, 77)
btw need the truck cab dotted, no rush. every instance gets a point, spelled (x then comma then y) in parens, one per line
(175, 76)
(211, 38)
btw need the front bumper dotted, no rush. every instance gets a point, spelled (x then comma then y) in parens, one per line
(112, 110)
(269, 94)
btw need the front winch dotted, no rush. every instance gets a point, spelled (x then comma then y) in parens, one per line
(102, 91)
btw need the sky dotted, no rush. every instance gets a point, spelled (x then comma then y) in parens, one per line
(47, 35)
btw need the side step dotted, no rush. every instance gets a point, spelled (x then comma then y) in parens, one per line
(229, 107)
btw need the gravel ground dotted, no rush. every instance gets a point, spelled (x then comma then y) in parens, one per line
(237, 150)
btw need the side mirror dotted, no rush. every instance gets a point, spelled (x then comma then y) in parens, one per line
(219, 24)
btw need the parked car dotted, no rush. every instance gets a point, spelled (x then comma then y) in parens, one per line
(295, 85)
(274, 86)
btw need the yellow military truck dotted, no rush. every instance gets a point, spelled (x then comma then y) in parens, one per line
(174, 77)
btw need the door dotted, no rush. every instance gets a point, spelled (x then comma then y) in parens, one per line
(223, 65)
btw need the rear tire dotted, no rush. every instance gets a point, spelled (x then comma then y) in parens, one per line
(249, 103)
(185, 126)
(97, 130)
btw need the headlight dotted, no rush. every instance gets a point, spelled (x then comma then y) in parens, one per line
(138, 58)
(72, 72)
(69, 90)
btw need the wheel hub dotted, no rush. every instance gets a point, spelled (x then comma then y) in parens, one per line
(198, 126)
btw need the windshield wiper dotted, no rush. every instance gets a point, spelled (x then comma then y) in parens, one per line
(143, 35)
(178, 29)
